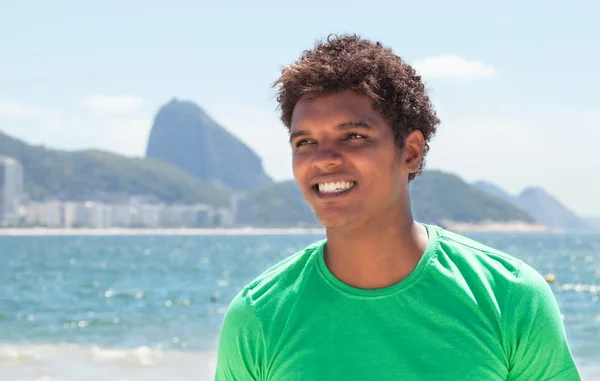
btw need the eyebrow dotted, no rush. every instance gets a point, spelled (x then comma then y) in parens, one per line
(340, 127)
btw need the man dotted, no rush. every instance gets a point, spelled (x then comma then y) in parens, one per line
(382, 297)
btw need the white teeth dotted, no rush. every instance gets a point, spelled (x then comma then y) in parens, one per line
(340, 186)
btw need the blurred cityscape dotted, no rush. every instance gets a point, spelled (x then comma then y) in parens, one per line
(126, 211)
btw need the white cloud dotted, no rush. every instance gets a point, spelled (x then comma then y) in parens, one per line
(74, 130)
(123, 135)
(129, 136)
(15, 110)
(452, 66)
(113, 104)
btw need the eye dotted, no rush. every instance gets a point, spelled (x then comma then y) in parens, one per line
(354, 135)
(303, 142)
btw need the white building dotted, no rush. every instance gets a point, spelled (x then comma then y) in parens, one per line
(72, 215)
(52, 214)
(204, 215)
(223, 217)
(122, 215)
(147, 215)
(11, 190)
(48, 214)
(33, 214)
(98, 215)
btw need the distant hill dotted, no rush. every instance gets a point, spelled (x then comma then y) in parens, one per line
(545, 208)
(278, 204)
(437, 198)
(185, 136)
(494, 190)
(90, 174)
(593, 221)
(191, 159)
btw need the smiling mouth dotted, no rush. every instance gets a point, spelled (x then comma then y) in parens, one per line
(333, 188)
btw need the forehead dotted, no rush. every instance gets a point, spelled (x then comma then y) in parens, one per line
(333, 109)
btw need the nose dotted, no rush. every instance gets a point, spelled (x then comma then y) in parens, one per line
(326, 157)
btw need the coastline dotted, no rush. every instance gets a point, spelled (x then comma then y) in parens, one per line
(157, 231)
(495, 227)
(450, 225)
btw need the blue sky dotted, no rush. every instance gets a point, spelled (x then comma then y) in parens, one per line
(515, 84)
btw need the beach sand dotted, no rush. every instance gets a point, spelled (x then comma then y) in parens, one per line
(156, 231)
(459, 227)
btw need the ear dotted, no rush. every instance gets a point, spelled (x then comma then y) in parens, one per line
(414, 145)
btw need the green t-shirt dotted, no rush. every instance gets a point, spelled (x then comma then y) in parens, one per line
(466, 312)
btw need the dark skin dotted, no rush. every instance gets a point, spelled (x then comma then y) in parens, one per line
(372, 239)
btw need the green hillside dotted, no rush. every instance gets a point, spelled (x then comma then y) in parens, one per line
(189, 155)
(278, 204)
(544, 207)
(88, 174)
(436, 197)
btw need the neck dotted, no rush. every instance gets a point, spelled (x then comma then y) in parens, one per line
(378, 253)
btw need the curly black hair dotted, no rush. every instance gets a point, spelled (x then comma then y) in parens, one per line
(369, 68)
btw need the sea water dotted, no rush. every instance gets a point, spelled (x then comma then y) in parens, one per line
(150, 307)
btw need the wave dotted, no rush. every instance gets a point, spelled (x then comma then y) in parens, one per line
(71, 362)
(591, 373)
(578, 287)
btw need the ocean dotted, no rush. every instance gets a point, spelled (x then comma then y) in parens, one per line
(127, 308)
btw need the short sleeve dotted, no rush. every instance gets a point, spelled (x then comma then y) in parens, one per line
(240, 348)
(537, 347)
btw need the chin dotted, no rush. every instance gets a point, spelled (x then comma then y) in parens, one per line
(336, 220)
(332, 224)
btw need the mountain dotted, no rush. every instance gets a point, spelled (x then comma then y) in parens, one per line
(549, 211)
(191, 159)
(437, 198)
(494, 190)
(593, 222)
(185, 136)
(278, 204)
(545, 208)
(90, 174)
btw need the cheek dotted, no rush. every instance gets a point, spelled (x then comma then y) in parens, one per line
(299, 165)
(372, 163)
(380, 167)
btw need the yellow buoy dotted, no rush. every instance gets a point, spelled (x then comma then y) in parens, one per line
(550, 278)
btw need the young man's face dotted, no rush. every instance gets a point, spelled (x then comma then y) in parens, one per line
(345, 159)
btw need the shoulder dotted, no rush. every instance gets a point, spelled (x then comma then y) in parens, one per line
(517, 287)
(501, 277)
(521, 275)
(471, 255)
(277, 284)
(284, 274)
